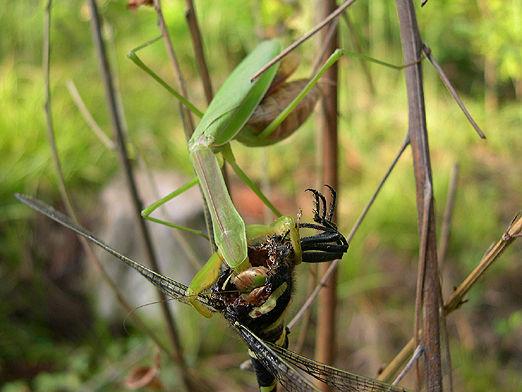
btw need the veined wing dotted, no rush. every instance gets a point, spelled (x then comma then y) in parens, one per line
(289, 378)
(167, 285)
(336, 379)
(290, 369)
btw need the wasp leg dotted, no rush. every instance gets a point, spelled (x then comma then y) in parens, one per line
(319, 205)
(321, 257)
(328, 248)
(329, 244)
(331, 210)
(310, 242)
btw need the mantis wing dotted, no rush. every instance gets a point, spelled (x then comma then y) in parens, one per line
(237, 98)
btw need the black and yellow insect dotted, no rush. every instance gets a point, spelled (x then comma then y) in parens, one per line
(255, 301)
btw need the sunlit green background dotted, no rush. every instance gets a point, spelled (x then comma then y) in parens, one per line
(479, 46)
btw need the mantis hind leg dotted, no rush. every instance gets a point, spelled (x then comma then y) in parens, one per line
(157, 204)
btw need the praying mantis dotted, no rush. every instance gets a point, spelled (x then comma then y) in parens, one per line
(225, 120)
(237, 113)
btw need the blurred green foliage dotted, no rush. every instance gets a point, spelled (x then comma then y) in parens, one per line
(463, 36)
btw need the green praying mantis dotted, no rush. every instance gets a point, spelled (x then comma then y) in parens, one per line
(209, 146)
(226, 119)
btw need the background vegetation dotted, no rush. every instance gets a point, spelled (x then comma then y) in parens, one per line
(478, 43)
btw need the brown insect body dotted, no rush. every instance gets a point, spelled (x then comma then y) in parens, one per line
(250, 279)
(278, 97)
(275, 103)
(287, 67)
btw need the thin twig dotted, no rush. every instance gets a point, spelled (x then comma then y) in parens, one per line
(441, 252)
(305, 37)
(189, 125)
(197, 44)
(513, 231)
(411, 47)
(445, 80)
(325, 338)
(362, 216)
(119, 135)
(357, 46)
(415, 356)
(332, 29)
(311, 298)
(457, 297)
(91, 255)
(421, 273)
(188, 122)
(87, 116)
(307, 317)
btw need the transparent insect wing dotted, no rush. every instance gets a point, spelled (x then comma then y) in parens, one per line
(169, 286)
(289, 378)
(289, 369)
(336, 379)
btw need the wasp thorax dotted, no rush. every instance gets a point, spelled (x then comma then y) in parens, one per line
(250, 279)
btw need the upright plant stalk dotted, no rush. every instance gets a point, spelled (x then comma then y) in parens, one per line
(119, 135)
(188, 122)
(325, 336)
(428, 283)
(457, 297)
(199, 52)
(64, 192)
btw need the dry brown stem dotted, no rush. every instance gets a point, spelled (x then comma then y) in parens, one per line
(325, 341)
(199, 53)
(457, 297)
(428, 284)
(305, 37)
(120, 137)
(91, 255)
(452, 91)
